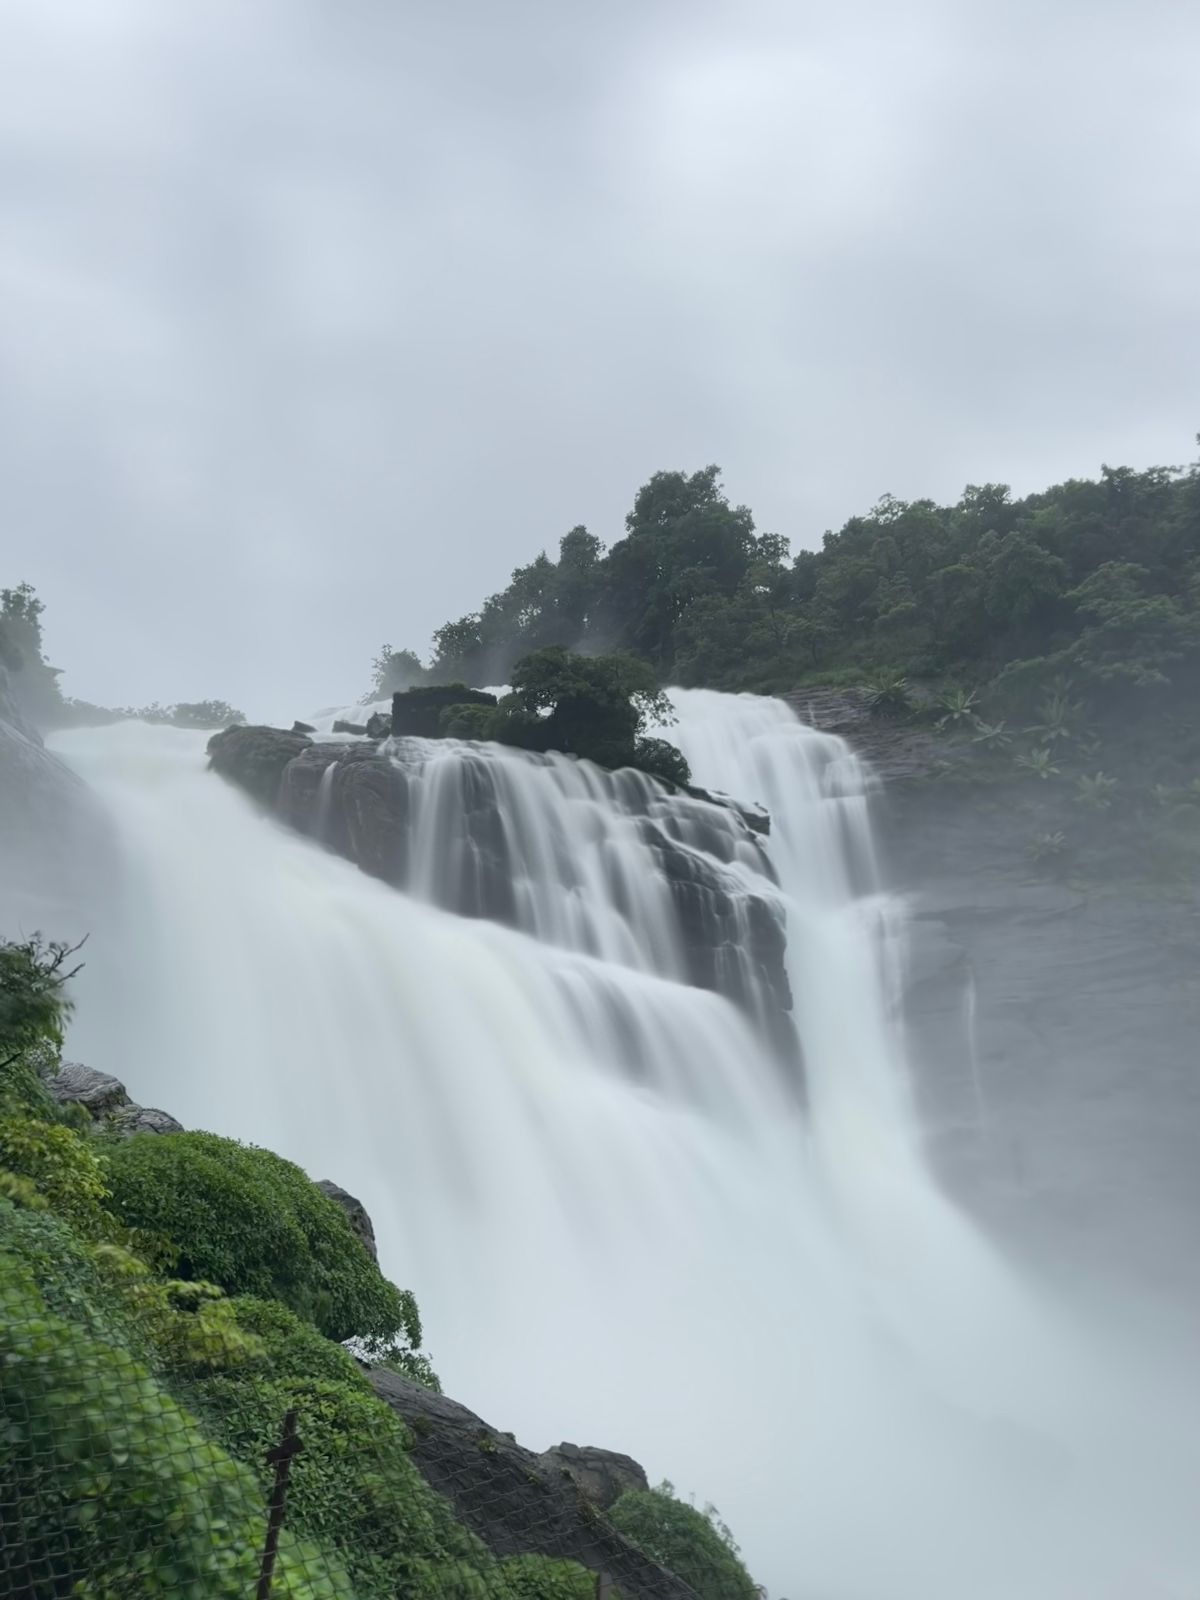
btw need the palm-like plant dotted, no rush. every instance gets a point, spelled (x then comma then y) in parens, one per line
(1039, 764)
(992, 735)
(958, 708)
(1045, 846)
(1096, 793)
(888, 696)
(1059, 718)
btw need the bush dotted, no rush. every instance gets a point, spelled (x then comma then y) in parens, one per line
(61, 1166)
(469, 721)
(354, 1486)
(254, 1224)
(109, 1488)
(418, 712)
(695, 1545)
(661, 759)
(33, 1007)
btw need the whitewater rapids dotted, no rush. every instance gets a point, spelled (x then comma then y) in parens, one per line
(621, 1226)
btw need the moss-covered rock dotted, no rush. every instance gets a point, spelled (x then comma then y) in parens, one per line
(418, 712)
(255, 758)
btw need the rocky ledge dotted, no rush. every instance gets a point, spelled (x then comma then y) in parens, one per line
(520, 1503)
(363, 800)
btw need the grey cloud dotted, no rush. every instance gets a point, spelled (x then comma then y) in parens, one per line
(316, 320)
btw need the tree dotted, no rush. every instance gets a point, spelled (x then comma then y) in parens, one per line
(593, 706)
(35, 681)
(695, 1545)
(1130, 635)
(395, 669)
(34, 1004)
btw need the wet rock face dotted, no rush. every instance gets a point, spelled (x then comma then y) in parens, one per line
(516, 1502)
(485, 836)
(356, 1215)
(255, 758)
(601, 1476)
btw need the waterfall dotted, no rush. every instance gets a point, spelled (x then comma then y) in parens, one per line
(622, 1225)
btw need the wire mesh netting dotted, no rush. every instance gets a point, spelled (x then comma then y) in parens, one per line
(158, 1438)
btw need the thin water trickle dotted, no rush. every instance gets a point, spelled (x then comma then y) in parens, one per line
(621, 1227)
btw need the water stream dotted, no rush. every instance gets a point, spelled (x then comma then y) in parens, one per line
(623, 1225)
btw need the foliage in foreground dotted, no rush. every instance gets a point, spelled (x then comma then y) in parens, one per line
(253, 1223)
(695, 1545)
(137, 1408)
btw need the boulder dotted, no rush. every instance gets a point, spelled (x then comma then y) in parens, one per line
(107, 1100)
(145, 1119)
(379, 725)
(356, 1215)
(511, 1499)
(360, 809)
(417, 713)
(601, 1476)
(357, 728)
(97, 1092)
(303, 727)
(255, 758)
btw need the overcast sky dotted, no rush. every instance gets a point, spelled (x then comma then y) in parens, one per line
(316, 319)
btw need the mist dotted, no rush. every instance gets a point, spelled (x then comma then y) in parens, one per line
(316, 321)
(795, 1087)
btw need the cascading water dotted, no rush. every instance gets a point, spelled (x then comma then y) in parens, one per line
(621, 1224)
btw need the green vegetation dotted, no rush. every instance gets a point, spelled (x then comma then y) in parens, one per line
(1054, 637)
(138, 1405)
(39, 697)
(695, 1545)
(252, 1223)
(598, 707)
(1099, 580)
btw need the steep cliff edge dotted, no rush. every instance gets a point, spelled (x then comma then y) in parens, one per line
(1052, 1002)
(51, 831)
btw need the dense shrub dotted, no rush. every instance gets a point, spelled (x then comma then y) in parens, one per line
(255, 1224)
(695, 1545)
(109, 1488)
(33, 1007)
(62, 1167)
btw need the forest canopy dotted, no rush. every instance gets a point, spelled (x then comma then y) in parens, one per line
(1096, 579)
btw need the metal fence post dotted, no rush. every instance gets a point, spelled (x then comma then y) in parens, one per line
(281, 1459)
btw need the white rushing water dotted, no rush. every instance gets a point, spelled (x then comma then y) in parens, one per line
(621, 1225)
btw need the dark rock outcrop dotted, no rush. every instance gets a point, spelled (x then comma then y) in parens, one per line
(416, 713)
(356, 1215)
(896, 747)
(511, 1499)
(303, 727)
(358, 729)
(353, 801)
(255, 758)
(379, 725)
(601, 1476)
(365, 802)
(1051, 1018)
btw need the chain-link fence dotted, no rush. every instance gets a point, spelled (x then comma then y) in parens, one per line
(159, 1439)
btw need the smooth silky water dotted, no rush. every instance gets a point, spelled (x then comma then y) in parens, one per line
(623, 1223)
